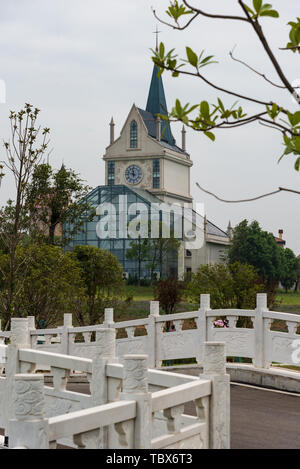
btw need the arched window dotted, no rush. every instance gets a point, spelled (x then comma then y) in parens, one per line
(133, 135)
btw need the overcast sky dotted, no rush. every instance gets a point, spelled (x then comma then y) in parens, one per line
(83, 61)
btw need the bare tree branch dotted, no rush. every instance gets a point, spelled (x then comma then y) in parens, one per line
(210, 15)
(258, 29)
(255, 71)
(280, 189)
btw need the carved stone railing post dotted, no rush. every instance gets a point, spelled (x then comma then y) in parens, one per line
(108, 317)
(28, 429)
(135, 387)
(106, 353)
(202, 326)
(214, 369)
(261, 307)
(65, 335)
(151, 333)
(19, 338)
(31, 326)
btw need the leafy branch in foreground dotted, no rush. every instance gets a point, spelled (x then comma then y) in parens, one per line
(208, 118)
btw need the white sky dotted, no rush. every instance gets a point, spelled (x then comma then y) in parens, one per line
(83, 61)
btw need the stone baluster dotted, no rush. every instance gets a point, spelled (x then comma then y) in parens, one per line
(48, 338)
(135, 387)
(232, 320)
(105, 353)
(65, 335)
(28, 429)
(214, 369)
(202, 325)
(151, 334)
(130, 332)
(292, 327)
(173, 416)
(87, 337)
(60, 378)
(178, 325)
(259, 330)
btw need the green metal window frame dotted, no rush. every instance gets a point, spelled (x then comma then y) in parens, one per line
(133, 134)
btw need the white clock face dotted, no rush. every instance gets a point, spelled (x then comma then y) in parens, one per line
(133, 174)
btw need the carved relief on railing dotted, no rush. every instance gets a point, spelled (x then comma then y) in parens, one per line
(135, 378)
(28, 397)
(106, 342)
(19, 331)
(173, 416)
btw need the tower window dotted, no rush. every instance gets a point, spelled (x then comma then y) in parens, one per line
(111, 173)
(156, 174)
(133, 135)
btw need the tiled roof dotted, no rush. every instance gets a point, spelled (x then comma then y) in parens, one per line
(150, 123)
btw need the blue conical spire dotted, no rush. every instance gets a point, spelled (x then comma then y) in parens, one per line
(156, 104)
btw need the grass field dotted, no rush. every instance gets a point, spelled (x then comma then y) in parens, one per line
(290, 299)
(289, 302)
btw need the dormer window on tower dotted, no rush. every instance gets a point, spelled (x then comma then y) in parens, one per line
(133, 134)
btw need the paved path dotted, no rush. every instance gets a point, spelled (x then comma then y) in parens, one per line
(259, 418)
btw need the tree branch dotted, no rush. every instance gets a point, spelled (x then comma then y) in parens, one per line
(255, 71)
(258, 29)
(179, 28)
(280, 189)
(210, 15)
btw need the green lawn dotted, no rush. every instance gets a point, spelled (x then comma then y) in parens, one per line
(290, 298)
(140, 293)
(288, 302)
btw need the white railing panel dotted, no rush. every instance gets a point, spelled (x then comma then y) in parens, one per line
(172, 345)
(240, 342)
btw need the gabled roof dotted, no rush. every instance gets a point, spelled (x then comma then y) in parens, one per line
(150, 122)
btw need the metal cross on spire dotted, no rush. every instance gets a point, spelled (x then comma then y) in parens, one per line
(157, 33)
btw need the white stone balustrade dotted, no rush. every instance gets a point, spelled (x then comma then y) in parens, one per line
(139, 419)
(258, 343)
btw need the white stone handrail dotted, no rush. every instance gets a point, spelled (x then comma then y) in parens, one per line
(87, 420)
(180, 394)
(257, 342)
(56, 360)
(139, 418)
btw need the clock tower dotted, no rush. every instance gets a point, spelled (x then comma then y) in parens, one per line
(145, 156)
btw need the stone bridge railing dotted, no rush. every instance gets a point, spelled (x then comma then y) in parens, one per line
(130, 406)
(259, 342)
